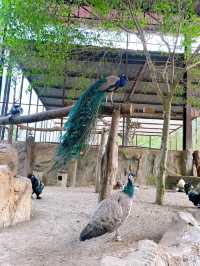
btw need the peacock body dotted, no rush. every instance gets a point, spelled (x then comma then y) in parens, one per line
(110, 213)
(82, 117)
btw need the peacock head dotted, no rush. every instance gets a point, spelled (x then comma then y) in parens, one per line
(122, 81)
(129, 189)
(113, 83)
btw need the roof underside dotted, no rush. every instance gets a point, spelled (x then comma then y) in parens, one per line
(88, 64)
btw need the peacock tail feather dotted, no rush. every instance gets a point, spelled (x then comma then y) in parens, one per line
(80, 122)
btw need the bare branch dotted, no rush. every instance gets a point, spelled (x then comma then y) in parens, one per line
(174, 50)
(196, 52)
(193, 65)
(146, 52)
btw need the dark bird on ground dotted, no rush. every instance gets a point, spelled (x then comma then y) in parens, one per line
(111, 213)
(37, 185)
(193, 195)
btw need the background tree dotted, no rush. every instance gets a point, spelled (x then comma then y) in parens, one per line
(176, 19)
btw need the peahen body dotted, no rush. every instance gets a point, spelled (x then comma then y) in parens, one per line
(82, 117)
(193, 194)
(110, 213)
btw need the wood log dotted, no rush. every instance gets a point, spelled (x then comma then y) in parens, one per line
(126, 109)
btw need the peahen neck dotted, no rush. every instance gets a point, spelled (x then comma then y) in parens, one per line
(129, 188)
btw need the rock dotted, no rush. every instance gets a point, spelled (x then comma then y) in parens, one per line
(8, 156)
(112, 261)
(15, 198)
(22, 201)
(182, 240)
(183, 231)
(148, 253)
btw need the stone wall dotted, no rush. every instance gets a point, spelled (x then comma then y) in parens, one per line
(129, 158)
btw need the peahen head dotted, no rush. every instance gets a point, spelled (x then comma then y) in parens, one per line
(129, 189)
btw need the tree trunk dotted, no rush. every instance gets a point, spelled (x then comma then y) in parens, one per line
(110, 159)
(102, 148)
(160, 184)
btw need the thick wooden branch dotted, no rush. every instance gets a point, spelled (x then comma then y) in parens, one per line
(126, 109)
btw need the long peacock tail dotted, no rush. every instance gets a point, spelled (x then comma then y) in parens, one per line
(80, 122)
(82, 118)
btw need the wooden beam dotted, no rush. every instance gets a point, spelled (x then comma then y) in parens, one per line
(52, 129)
(126, 109)
(137, 82)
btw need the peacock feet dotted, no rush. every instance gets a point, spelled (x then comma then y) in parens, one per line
(117, 236)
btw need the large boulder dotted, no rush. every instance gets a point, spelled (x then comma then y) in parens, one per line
(15, 198)
(179, 246)
(8, 156)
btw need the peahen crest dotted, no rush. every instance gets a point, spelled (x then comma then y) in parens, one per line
(82, 117)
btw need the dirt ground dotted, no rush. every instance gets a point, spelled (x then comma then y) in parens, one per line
(52, 236)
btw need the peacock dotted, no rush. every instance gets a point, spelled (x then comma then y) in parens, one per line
(111, 213)
(82, 117)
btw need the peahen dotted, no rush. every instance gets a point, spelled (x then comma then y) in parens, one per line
(111, 213)
(82, 117)
(193, 194)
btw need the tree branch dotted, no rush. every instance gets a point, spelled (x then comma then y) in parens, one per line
(146, 52)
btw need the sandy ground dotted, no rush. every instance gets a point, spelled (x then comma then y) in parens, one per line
(52, 236)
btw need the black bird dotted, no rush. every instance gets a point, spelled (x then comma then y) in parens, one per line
(193, 195)
(15, 110)
(37, 185)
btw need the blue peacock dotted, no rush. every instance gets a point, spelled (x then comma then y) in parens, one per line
(82, 117)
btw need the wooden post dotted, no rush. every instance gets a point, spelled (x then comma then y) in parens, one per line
(110, 159)
(71, 171)
(29, 154)
(127, 131)
(102, 148)
(187, 128)
(10, 134)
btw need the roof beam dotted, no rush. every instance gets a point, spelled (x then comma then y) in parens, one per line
(137, 82)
